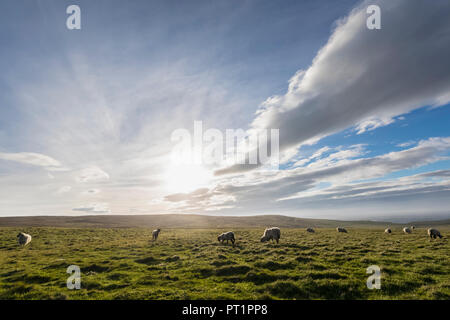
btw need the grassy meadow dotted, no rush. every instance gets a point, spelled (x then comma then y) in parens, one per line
(123, 263)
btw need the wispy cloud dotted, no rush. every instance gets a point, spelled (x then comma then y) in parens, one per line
(92, 174)
(34, 159)
(93, 208)
(406, 144)
(64, 189)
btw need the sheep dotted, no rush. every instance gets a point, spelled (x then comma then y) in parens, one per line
(273, 233)
(407, 230)
(433, 233)
(155, 234)
(226, 236)
(412, 227)
(388, 230)
(339, 229)
(310, 230)
(23, 239)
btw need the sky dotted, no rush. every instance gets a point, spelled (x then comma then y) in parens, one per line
(87, 116)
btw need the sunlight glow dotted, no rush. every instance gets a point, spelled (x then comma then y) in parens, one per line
(183, 178)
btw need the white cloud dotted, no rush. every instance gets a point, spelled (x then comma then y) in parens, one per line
(372, 124)
(64, 189)
(316, 155)
(93, 208)
(406, 144)
(406, 186)
(34, 159)
(346, 169)
(92, 174)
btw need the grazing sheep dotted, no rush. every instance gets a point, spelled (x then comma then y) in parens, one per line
(310, 230)
(226, 236)
(388, 230)
(339, 229)
(433, 233)
(155, 234)
(407, 230)
(271, 234)
(23, 239)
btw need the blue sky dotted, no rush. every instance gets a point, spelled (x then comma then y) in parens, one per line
(86, 116)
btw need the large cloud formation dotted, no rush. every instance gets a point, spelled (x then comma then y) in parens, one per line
(346, 175)
(365, 78)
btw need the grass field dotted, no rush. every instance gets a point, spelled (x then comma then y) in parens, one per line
(124, 263)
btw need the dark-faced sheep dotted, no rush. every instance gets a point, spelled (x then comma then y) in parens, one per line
(23, 239)
(310, 230)
(271, 234)
(407, 230)
(227, 236)
(155, 234)
(433, 233)
(388, 230)
(339, 229)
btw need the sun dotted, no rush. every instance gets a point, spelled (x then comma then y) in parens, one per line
(184, 178)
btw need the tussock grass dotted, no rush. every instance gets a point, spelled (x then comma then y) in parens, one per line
(123, 263)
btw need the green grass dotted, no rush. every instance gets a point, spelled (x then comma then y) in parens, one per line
(124, 263)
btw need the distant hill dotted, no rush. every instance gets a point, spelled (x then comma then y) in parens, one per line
(191, 221)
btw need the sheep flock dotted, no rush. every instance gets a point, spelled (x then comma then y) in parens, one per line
(270, 234)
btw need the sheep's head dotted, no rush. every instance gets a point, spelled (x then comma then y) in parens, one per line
(20, 233)
(264, 238)
(219, 238)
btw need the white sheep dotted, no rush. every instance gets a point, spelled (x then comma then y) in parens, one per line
(433, 233)
(23, 239)
(407, 230)
(273, 233)
(155, 234)
(310, 230)
(388, 230)
(227, 236)
(339, 229)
